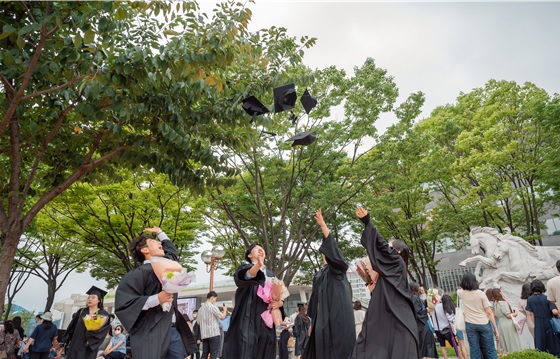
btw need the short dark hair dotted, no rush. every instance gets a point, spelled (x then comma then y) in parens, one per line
(469, 282)
(135, 247)
(357, 305)
(558, 265)
(537, 287)
(414, 288)
(195, 311)
(249, 249)
(211, 294)
(119, 326)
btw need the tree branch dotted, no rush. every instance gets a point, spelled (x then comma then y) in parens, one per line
(52, 89)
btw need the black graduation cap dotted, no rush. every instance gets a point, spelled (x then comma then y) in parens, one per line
(97, 291)
(308, 101)
(303, 139)
(253, 106)
(285, 97)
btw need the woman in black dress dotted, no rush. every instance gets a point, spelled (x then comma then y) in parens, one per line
(540, 309)
(425, 335)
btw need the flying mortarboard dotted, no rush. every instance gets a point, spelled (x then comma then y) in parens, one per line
(253, 106)
(308, 101)
(303, 139)
(97, 291)
(285, 97)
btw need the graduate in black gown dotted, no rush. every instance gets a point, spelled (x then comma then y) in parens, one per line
(389, 330)
(80, 342)
(153, 334)
(330, 308)
(248, 336)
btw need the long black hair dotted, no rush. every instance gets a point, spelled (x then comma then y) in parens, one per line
(403, 250)
(448, 304)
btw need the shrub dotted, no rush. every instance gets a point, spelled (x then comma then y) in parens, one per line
(529, 354)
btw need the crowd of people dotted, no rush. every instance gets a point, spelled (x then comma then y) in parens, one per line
(400, 321)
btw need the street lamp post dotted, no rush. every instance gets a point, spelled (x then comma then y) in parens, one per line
(211, 258)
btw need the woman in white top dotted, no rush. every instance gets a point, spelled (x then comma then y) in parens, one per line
(479, 318)
(359, 316)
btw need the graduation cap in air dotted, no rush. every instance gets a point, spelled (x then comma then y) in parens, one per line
(308, 101)
(303, 139)
(253, 106)
(285, 97)
(97, 291)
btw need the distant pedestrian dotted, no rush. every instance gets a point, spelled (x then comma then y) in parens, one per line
(43, 338)
(9, 339)
(302, 323)
(208, 316)
(359, 316)
(509, 339)
(541, 310)
(479, 318)
(196, 333)
(425, 335)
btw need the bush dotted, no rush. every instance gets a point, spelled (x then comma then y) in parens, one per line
(529, 354)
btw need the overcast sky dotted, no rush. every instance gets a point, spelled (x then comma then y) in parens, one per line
(440, 48)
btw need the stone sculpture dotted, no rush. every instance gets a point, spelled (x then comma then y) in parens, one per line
(507, 262)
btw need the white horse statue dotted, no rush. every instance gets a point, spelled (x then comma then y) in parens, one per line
(506, 261)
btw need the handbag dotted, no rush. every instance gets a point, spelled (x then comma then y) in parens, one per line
(459, 319)
(555, 324)
(519, 322)
(291, 342)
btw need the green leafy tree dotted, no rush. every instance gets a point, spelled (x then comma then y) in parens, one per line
(103, 217)
(280, 187)
(44, 254)
(154, 83)
(497, 156)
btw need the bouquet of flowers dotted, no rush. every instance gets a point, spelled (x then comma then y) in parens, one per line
(172, 276)
(365, 271)
(433, 297)
(95, 321)
(274, 290)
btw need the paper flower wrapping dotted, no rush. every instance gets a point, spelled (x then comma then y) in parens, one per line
(172, 276)
(94, 322)
(274, 290)
(433, 297)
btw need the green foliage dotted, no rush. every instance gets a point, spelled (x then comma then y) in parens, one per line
(492, 158)
(103, 215)
(155, 84)
(280, 187)
(529, 354)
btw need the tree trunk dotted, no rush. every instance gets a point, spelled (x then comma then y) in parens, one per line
(9, 247)
(51, 291)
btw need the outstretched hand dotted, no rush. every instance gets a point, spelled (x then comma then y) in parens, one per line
(155, 230)
(361, 213)
(319, 218)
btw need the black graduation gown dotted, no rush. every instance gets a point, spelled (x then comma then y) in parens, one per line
(82, 343)
(149, 329)
(389, 330)
(333, 332)
(248, 337)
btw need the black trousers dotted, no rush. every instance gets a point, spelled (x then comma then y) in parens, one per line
(283, 345)
(211, 346)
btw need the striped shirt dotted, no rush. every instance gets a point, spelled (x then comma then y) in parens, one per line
(208, 316)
